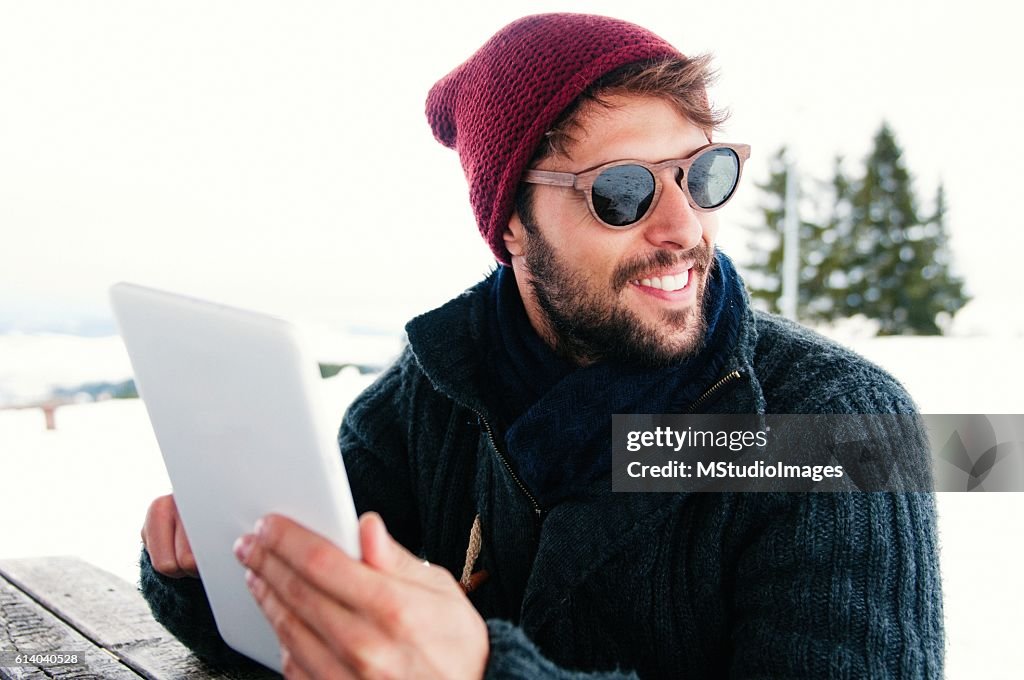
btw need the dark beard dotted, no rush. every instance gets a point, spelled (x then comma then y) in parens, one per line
(586, 328)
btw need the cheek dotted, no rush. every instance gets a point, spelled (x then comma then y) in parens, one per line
(564, 228)
(590, 265)
(709, 227)
(596, 252)
(585, 247)
(580, 243)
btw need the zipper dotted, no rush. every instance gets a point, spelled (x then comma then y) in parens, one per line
(717, 387)
(538, 513)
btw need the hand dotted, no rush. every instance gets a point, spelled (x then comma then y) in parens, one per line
(164, 537)
(390, 615)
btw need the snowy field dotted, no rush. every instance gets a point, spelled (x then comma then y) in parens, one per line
(83, 489)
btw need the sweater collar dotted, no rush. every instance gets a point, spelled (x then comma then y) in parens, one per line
(580, 535)
(554, 417)
(450, 346)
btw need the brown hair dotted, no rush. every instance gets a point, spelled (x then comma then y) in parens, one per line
(681, 81)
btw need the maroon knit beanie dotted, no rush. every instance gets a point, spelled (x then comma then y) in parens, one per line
(496, 106)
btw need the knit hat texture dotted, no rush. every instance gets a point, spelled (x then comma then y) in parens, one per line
(495, 107)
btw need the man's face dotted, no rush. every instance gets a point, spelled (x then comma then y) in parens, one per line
(598, 293)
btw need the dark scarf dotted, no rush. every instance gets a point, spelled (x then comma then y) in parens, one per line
(556, 417)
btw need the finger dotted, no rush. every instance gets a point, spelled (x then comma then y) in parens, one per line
(158, 537)
(354, 584)
(293, 671)
(343, 628)
(356, 627)
(323, 564)
(383, 552)
(290, 669)
(304, 651)
(183, 550)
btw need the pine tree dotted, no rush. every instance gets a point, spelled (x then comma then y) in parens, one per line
(835, 241)
(943, 291)
(896, 265)
(764, 275)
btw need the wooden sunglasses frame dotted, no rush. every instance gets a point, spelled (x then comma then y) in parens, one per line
(584, 181)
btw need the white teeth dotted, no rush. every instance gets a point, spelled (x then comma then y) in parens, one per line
(669, 283)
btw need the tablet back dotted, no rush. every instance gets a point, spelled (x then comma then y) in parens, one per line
(233, 399)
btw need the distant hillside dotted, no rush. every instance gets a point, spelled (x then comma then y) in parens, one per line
(98, 390)
(125, 389)
(37, 367)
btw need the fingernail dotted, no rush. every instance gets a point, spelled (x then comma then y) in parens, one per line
(254, 582)
(243, 547)
(260, 527)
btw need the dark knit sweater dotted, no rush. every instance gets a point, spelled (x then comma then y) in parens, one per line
(703, 585)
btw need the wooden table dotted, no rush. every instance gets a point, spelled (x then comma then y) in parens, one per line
(64, 604)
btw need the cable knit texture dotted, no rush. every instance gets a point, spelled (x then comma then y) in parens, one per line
(495, 107)
(650, 585)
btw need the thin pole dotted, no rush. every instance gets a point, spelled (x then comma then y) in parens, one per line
(790, 246)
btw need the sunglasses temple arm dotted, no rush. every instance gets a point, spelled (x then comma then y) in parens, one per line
(554, 179)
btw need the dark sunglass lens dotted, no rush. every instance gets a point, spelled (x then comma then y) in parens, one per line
(712, 177)
(623, 194)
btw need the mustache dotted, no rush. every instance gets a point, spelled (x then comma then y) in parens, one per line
(701, 256)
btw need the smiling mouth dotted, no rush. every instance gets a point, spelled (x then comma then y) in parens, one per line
(668, 282)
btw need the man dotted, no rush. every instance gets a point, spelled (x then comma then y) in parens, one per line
(587, 144)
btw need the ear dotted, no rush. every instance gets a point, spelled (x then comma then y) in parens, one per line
(514, 235)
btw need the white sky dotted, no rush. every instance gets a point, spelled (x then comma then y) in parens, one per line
(275, 154)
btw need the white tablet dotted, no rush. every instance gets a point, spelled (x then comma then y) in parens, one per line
(234, 402)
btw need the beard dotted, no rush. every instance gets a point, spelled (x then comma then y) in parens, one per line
(590, 323)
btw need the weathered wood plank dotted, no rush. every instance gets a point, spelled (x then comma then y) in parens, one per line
(112, 613)
(27, 627)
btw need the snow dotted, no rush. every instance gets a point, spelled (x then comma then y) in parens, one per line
(32, 365)
(83, 489)
(994, 314)
(953, 374)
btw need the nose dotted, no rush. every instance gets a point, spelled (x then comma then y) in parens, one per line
(674, 224)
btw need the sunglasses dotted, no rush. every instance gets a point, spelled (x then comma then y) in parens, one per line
(621, 194)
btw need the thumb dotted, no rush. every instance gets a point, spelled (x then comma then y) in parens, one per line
(380, 550)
